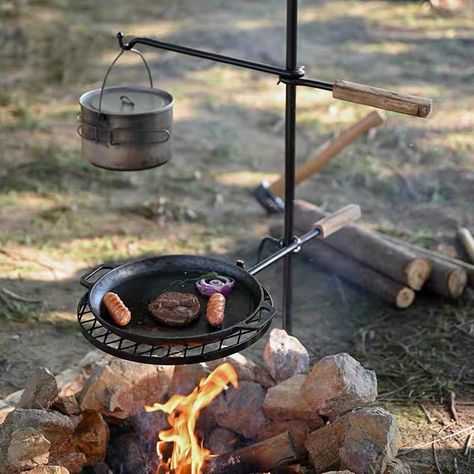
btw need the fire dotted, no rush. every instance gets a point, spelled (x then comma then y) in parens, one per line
(188, 454)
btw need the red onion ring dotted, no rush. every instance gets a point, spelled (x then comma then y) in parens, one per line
(218, 284)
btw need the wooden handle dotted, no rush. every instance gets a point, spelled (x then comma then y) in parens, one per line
(329, 150)
(383, 98)
(467, 241)
(337, 220)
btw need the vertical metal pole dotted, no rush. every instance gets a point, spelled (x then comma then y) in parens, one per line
(290, 139)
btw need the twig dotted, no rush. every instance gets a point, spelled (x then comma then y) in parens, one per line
(23, 299)
(467, 447)
(455, 462)
(427, 413)
(438, 467)
(444, 428)
(429, 443)
(20, 256)
(452, 405)
(7, 303)
(382, 396)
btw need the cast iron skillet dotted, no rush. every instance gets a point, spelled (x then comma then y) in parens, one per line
(139, 282)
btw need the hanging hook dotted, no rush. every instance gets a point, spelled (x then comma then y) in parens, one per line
(124, 46)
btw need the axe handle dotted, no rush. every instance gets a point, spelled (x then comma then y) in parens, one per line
(329, 150)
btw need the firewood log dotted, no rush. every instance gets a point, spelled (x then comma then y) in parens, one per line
(449, 275)
(259, 457)
(368, 247)
(467, 241)
(354, 271)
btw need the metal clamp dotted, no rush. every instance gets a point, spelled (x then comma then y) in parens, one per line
(299, 242)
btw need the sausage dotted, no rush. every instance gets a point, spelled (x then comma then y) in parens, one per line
(215, 310)
(117, 310)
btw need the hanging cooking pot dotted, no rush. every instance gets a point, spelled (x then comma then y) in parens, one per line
(126, 128)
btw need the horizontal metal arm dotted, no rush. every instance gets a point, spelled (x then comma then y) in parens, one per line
(285, 76)
(277, 71)
(315, 84)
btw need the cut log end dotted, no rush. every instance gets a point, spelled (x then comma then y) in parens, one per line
(457, 282)
(405, 298)
(417, 272)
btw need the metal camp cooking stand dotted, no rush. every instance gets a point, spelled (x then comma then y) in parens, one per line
(292, 76)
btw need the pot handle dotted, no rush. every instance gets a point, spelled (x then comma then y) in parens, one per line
(124, 98)
(266, 318)
(84, 281)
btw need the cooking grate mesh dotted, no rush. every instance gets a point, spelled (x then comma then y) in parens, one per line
(162, 354)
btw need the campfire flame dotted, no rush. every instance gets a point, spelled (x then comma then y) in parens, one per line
(188, 455)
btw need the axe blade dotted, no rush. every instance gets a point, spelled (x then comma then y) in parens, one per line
(263, 195)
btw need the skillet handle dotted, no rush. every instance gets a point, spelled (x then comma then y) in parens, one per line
(84, 281)
(337, 220)
(265, 319)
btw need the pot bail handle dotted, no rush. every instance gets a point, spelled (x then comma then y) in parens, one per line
(133, 50)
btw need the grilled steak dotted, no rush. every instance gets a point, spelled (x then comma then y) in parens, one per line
(175, 309)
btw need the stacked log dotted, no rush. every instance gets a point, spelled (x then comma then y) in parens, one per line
(399, 264)
(356, 272)
(390, 268)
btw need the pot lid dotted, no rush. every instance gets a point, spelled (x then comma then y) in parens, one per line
(127, 100)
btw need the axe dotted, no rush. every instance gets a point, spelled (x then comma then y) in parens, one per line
(269, 195)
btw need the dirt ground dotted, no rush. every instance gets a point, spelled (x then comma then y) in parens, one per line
(413, 178)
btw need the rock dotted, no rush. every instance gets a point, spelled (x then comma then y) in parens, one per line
(299, 430)
(222, 441)
(71, 380)
(283, 402)
(363, 441)
(28, 448)
(40, 392)
(246, 369)
(91, 437)
(148, 424)
(284, 355)
(72, 460)
(121, 389)
(186, 378)
(55, 427)
(101, 468)
(27, 432)
(337, 384)
(67, 404)
(371, 441)
(397, 467)
(4, 411)
(129, 454)
(241, 409)
(48, 470)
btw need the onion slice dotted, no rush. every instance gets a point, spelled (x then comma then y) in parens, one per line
(218, 284)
